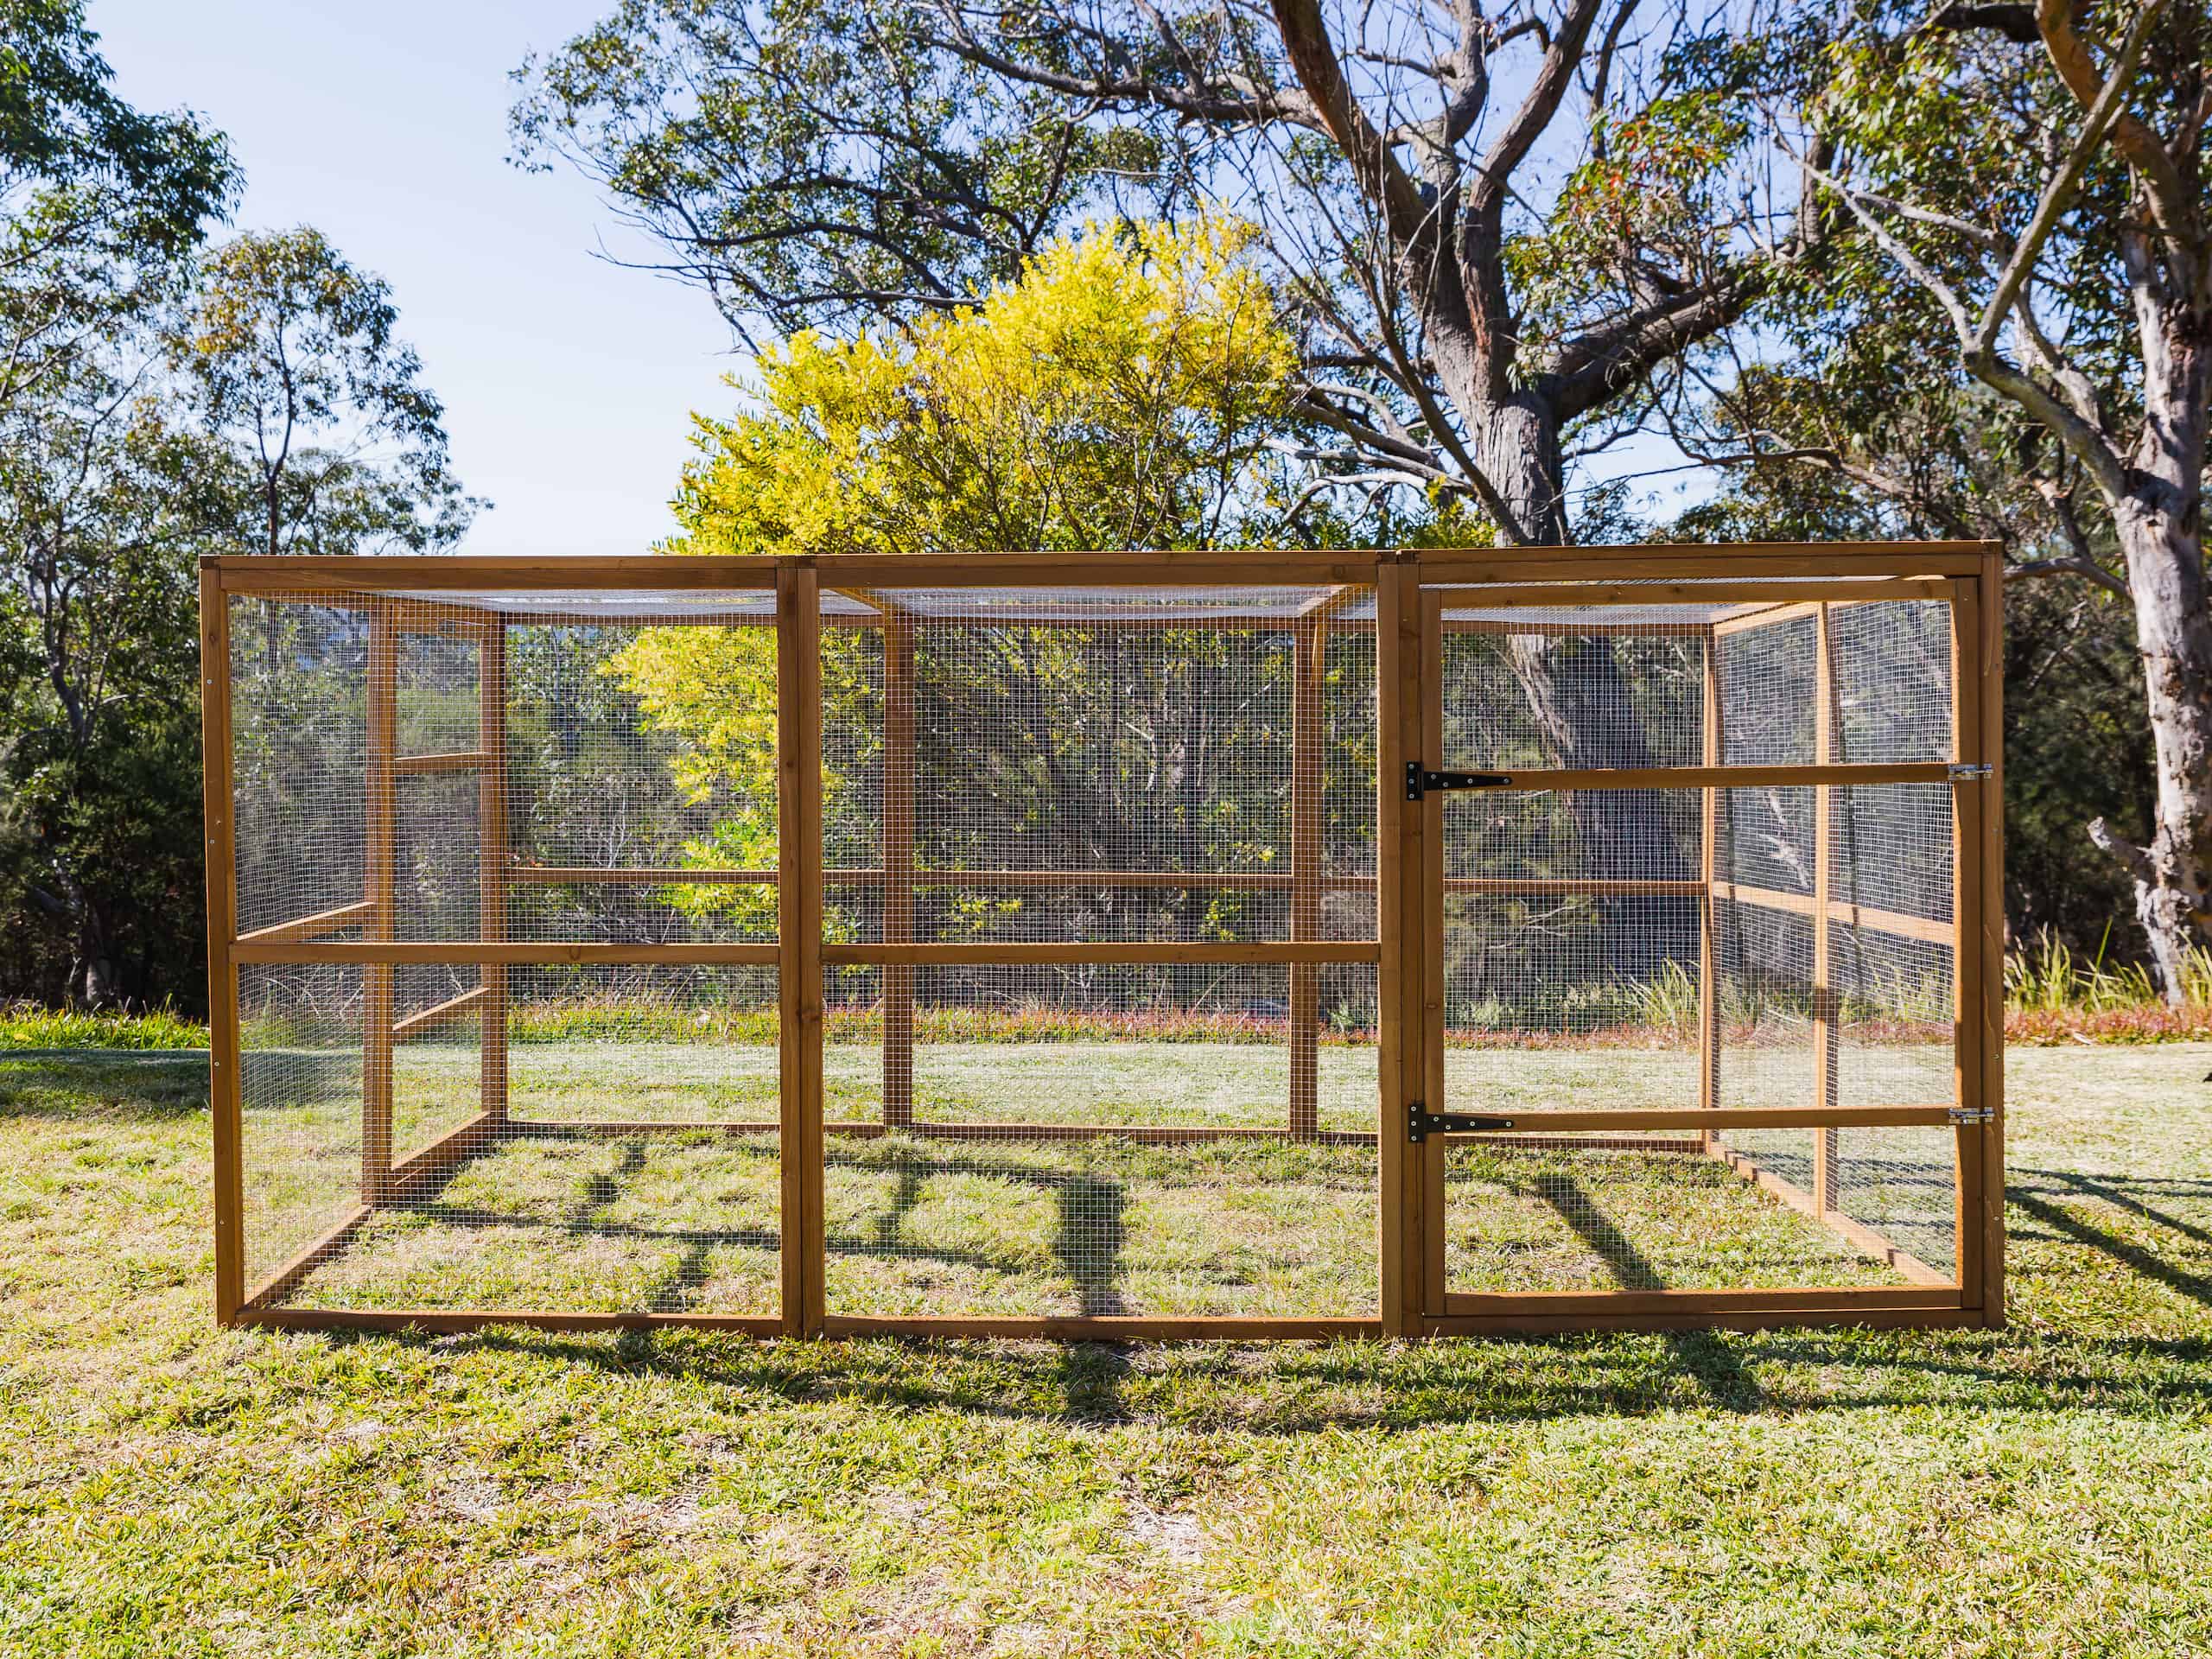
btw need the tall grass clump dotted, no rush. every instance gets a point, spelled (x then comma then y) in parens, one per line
(26, 1025)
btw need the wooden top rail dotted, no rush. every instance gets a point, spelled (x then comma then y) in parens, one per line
(460, 573)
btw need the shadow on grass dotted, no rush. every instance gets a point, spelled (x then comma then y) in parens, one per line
(2052, 1198)
(1301, 1388)
(132, 1084)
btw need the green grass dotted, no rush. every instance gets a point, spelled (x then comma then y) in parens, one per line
(169, 1489)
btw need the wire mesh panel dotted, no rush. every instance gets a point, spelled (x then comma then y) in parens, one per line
(1071, 769)
(1782, 943)
(1559, 1217)
(455, 1135)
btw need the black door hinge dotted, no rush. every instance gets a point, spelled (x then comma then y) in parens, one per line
(1419, 780)
(1421, 1123)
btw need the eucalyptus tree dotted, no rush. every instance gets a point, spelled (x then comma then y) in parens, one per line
(2020, 341)
(1496, 227)
(100, 203)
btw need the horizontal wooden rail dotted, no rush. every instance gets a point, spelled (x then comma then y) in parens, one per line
(311, 927)
(438, 1014)
(1106, 953)
(515, 952)
(1930, 929)
(1728, 590)
(453, 1321)
(456, 760)
(1142, 1133)
(1476, 1304)
(491, 574)
(1252, 881)
(1840, 775)
(1116, 1328)
(1714, 1119)
(1839, 1311)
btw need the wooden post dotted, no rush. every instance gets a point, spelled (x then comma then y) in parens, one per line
(381, 808)
(1426, 857)
(1992, 677)
(1708, 952)
(492, 876)
(899, 758)
(798, 815)
(224, 1084)
(1398, 874)
(1307, 763)
(1826, 1006)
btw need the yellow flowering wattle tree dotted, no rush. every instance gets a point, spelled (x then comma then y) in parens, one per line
(1125, 392)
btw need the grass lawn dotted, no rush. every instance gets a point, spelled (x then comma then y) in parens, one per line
(167, 1488)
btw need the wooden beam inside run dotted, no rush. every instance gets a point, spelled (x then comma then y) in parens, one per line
(1827, 1009)
(439, 1013)
(381, 807)
(495, 860)
(1311, 643)
(900, 760)
(334, 921)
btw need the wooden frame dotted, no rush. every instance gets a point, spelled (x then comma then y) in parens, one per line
(1415, 598)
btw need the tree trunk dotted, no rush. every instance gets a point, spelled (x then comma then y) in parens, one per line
(2166, 571)
(2161, 524)
(1585, 708)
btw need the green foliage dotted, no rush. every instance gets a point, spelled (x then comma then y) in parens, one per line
(155, 406)
(30, 1026)
(288, 350)
(1121, 394)
(100, 202)
(834, 167)
(2047, 978)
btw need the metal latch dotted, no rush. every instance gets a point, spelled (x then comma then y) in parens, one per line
(1421, 1123)
(1419, 780)
(1966, 1115)
(1967, 771)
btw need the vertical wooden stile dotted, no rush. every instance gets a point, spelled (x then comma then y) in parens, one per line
(492, 875)
(798, 815)
(1966, 956)
(899, 761)
(378, 842)
(1826, 1007)
(1426, 859)
(1708, 953)
(224, 1083)
(1398, 863)
(1311, 637)
(1990, 680)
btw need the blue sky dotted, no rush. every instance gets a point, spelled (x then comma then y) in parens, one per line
(567, 381)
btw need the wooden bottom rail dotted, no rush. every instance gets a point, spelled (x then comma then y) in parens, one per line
(1844, 1310)
(1759, 1299)
(1853, 1231)
(449, 1319)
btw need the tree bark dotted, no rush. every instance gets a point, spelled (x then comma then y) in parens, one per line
(2160, 527)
